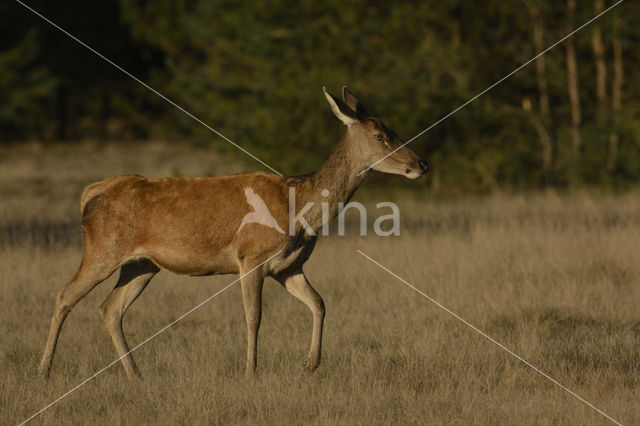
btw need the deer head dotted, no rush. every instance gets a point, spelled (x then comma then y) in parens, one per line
(373, 140)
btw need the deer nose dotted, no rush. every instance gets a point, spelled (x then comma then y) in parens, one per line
(424, 165)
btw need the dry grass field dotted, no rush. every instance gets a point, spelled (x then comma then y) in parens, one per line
(554, 278)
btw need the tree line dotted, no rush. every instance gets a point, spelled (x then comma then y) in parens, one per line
(254, 71)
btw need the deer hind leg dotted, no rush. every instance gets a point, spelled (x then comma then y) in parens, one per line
(134, 277)
(252, 299)
(298, 285)
(92, 272)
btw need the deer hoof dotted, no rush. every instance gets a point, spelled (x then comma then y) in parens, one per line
(42, 375)
(310, 367)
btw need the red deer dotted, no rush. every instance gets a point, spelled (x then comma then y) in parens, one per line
(195, 226)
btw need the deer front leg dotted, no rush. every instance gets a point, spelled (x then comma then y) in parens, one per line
(298, 285)
(252, 299)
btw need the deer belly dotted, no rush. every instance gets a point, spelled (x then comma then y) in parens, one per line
(183, 260)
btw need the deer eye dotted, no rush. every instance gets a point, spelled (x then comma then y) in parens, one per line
(378, 136)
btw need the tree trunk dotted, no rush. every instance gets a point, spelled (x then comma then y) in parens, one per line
(601, 69)
(616, 92)
(105, 114)
(572, 80)
(545, 111)
(62, 105)
(547, 144)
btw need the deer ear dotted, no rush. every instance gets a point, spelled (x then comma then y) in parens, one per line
(340, 109)
(354, 103)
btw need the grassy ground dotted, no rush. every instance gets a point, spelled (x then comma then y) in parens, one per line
(555, 279)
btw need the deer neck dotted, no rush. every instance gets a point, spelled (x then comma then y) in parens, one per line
(332, 185)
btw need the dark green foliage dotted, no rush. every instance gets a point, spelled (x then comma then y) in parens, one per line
(254, 71)
(24, 85)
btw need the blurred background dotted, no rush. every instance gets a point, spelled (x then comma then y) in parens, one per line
(254, 71)
(528, 225)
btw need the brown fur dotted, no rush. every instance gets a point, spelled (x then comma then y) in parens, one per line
(190, 226)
